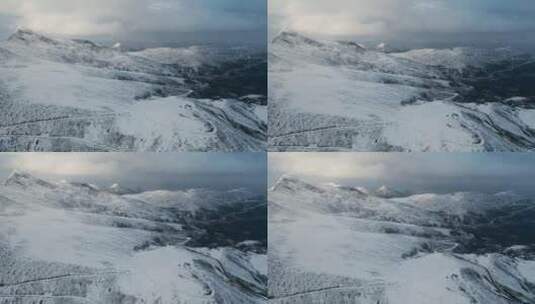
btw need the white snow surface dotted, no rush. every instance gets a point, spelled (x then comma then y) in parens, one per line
(337, 96)
(69, 95)
(332, 244)
(72, 243)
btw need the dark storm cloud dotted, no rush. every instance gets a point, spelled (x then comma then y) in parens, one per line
(418, 20)
(132, 18)
(416, 172)
(146, 171)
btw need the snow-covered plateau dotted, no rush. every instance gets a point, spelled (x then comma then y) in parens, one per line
(339, 244)
(75, 95)
(76, 243)
(342, 96)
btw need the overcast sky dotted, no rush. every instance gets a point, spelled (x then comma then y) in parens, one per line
(146, 171)
(485, 22)
(134, 19)
(414, 172)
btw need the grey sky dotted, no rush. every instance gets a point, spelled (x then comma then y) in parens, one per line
(415, 172)
(146, 171)
(485, 22)
(134, 19)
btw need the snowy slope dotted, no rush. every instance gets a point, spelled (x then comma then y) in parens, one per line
(68, 95)
(73, 243)
(328, 95)
(329, 244)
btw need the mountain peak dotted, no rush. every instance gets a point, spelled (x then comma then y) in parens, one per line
(353, 45)
(283, 181)
(294, 39)
(358, 190)
(119, 190)
(383, 47)
(18, 175)
(386, 192)
(28, 36)
(24, 179)
(286, 182)
(21, 31)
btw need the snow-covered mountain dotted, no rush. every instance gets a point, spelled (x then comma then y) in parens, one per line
(120, 190)
(331, 244)
(326, 95)
(387, 192)
(75, 243)
(75, 95)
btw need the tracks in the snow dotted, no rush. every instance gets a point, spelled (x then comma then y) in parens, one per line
(60, 277)
(59, 118)
(59, 297)
(357, 127)
(66, 118)
(367, 287)
(54, 278)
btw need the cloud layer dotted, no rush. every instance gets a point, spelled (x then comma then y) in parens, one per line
(109, 17)
(417, 172)
(145, 170)
(390, 17)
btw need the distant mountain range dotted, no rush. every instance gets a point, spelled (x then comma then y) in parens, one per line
(427, 248)
(343, 96)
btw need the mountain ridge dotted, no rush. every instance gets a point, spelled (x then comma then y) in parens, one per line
(25, 179)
